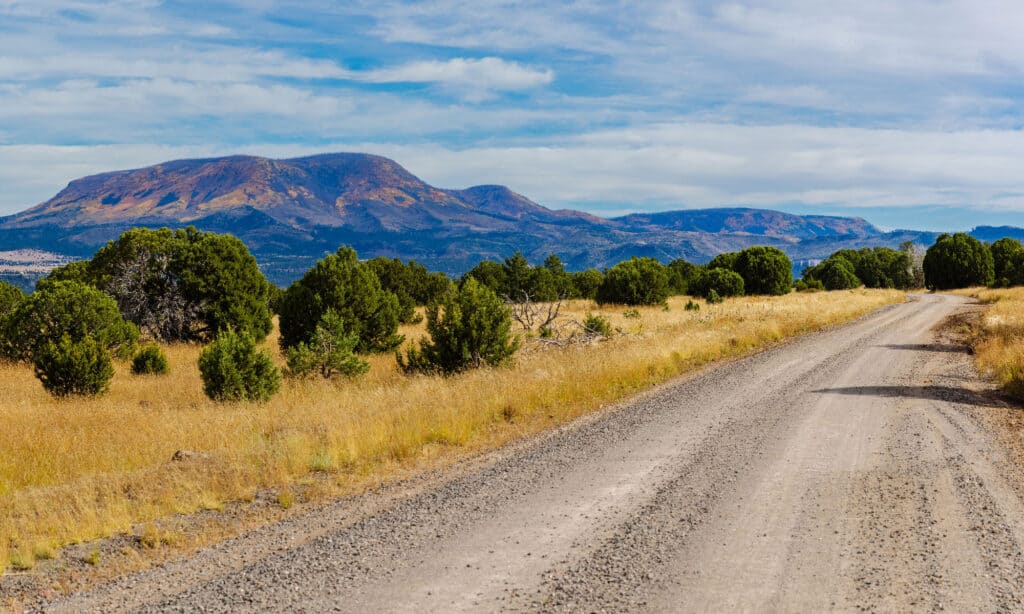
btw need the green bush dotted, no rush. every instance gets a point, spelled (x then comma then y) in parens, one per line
(74, 368)
(722, 282)
(469, 328)
(765, 270)
(411, 283)
(713, 298)
(585, 283)
(67, 308)
(341, 283)
(638, 281)
(329, 352)
(692, 306)
(808, 285)
(595, 325)
(233, 369)
(958, 261)
(150, 360)
(631, 314)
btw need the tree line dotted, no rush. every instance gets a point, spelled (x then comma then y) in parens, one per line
(199, 287)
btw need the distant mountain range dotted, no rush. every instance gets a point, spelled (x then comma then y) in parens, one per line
(291, 212)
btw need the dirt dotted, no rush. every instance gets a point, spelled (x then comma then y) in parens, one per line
(863, 468)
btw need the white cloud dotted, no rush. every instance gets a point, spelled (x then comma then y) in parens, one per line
(477, 74)
(649, 167)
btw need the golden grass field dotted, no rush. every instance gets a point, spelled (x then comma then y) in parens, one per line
(999, 349)
(78, 470)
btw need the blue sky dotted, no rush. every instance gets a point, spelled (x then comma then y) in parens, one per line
(908, 113)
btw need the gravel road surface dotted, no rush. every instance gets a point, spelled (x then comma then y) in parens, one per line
(843, 471)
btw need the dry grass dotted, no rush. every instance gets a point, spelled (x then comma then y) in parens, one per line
(72, 471)
(999, 349)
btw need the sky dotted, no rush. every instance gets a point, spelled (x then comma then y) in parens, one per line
(907, 113)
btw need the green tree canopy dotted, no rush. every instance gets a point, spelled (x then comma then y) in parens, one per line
(958, 261)
(184, 285)
(722, 282)
(1008, 262)
(765, 270)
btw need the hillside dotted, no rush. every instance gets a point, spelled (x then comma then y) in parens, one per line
(291, 212)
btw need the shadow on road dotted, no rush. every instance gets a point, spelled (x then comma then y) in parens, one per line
(931, 347)
(935, 393)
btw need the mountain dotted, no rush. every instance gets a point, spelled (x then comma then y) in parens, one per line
(291, 212)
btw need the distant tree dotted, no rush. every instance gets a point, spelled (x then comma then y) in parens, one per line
(958, 261)
(560, 278)
(916, 258)
(638, 281)
(718, 283)
(726, 261)
(490, 274)
(765, 270)
(71, 309)
(468, 329)
(341, 283)
(1007, 257)
(837, 274)
(400, 280)
(680, 275)
(585, 283)
(234, 369)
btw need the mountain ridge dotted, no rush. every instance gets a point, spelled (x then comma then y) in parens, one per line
(292, 211)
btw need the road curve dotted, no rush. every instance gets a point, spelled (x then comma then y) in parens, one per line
(842, 471)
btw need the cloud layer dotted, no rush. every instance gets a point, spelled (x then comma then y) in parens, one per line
(610, 106)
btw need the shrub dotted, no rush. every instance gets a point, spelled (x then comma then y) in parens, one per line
(713, 297)
(722, 281)
(469, 328)
(638, 281)
(765, 270)
(150, 360)
(958, 261)
(631, 314)
(692, 306)
(349, 287)
(329, 352)
(233, 369)
(808, 285)
(596, 325)
(74, 368)
(67, 308)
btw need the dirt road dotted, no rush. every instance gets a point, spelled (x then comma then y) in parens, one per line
(844, 471)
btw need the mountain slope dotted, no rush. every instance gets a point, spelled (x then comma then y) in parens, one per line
(291, 212)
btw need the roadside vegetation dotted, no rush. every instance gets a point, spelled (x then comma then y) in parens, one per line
(999, 344)
(373, 367)
(146, 361)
